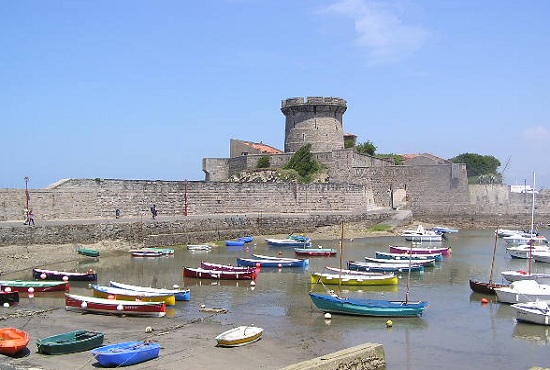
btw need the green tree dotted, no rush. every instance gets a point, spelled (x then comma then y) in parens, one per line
(303, 163)
(366, 148)
(350, 141)
(480, 168)
(264, 162)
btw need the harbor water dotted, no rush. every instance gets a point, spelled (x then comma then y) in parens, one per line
(457, 331)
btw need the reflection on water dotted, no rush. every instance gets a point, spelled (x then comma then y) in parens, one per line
(456, 319)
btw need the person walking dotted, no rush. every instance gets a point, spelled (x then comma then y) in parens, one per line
(154, 211)
(31, 217)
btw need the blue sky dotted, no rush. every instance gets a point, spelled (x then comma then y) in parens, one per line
(134, 89)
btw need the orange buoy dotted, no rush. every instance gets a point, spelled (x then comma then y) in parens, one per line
(484, 300)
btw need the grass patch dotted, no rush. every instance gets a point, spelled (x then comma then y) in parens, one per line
(380, 227)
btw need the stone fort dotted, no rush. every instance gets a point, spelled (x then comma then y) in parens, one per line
(358, 186)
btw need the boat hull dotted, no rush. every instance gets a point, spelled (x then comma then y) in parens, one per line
(438, 257)
(533, 312)
(255, 262)
(10, 298)
(239, 336)
(322, 252)
(126, 354)
(403, 268)
(23, 286)
(63, 275)
(221, 267)
(484, 288)
(200, 273)
(13, 341)
(71, 342)
(179, 294)
(114, 306)
(88, 252)
(418, 250)
(132, 295)
(353, 280)
(367, 307)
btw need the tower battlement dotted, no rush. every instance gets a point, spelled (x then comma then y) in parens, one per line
(314, 120)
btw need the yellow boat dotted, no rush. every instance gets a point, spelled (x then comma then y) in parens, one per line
(239, 336)
(101, 291)
(353, 279)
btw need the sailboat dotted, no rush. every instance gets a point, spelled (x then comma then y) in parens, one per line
(487, 287)
(333, 303)
(514, 275)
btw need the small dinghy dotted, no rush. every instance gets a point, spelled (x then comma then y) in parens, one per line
(126, 353)
(12, 341)
(239, 336)
(71, 342)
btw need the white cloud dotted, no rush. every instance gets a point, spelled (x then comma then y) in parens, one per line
(381, 29)
(536, 133)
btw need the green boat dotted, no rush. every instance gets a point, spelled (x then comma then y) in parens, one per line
(74, 341)
(88, 252)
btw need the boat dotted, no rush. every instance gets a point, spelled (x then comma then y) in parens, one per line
(516, 275)
(526, 238)
(367, 307)
(163, 251)
(334, 303)
(88, 252)
(522, 291)
(422, 262)
(198, 247)
(239, 336)
(294, 241)
(70, 342)
(445, 251)
(235, 243)
(246, 238)
(325, 252)
(89, 275)
(126, 353)
(543, 257)
(384, 267)
(275, 258)
(13, 341)
(351, 278)
(525, 251)
(501, 233)
(145, 253)
(421, 235)
(179, 294)
(32, 286)
(443, 230)
(272, 262)
(114, 306)
(9, 297)
(103, 291)
(200, 273)
(487, 287)
(223, 267)
(537, 312)
(438, 257)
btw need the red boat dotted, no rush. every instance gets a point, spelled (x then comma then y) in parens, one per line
(114, 306)
(10, 297)
(12, 341)
(200, 273)
(221, 267)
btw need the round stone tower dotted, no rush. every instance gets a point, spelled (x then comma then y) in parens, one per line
(315, 120)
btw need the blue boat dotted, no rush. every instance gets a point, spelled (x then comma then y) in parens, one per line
(367, 307)
(235, 243)
(246, 239)
(126, 353)
(272, 262)
(384, 267)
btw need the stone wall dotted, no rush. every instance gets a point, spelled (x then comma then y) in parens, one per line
(89, 199)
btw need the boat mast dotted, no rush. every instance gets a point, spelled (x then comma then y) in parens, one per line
(409, 275)
(341, 254)
(493, 263)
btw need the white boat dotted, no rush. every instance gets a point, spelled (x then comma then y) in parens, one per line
(526, 251)
(517, 275)
(543, 257)
(179, 294)
(536, 312)
(423, 262)
(198, 247)
(501, 233)
(421, 235)
(522, 291)
(526, 238)
(239, 336)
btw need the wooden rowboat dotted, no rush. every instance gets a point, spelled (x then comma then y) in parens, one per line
(71, 342)
(114, 306)
(23, 286)
(222, 267)
(353, 279)
(239, 336)
(12, 341)
(272, 262)
(200, 273)
(103, 291)
(126, 353)
(88, 252)
(325, 252)
(89, 275)
(179, 294)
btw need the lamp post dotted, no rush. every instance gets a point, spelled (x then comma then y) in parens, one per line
(27, 191)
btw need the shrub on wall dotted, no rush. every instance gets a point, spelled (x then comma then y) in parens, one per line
(264, 162)
(303, 163)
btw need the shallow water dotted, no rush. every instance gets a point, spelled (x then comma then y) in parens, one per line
(457, 331)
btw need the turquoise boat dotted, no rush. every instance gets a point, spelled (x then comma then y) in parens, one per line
(71, 342)
(88, 252)
(367, 307)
